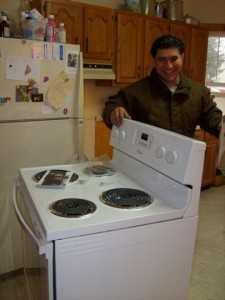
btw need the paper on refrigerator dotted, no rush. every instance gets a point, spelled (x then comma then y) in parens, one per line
(22, 68)
(59, 90)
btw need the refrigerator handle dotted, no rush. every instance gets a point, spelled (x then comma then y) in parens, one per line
(38, 242)
(80, 137)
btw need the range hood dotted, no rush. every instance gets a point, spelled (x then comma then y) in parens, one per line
(98, 71)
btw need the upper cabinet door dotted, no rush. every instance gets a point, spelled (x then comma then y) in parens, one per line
(71, 16)
(198, 53)
(183, 32)
(154, 28)
(98, 32)
(129, 47)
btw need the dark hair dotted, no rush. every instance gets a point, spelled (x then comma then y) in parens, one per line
(166, 42)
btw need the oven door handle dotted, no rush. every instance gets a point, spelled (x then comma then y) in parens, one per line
(38, 242)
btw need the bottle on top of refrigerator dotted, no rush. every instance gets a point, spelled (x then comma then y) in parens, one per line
(50, 30)
(5, 27)
(22, 16)
(61, 33)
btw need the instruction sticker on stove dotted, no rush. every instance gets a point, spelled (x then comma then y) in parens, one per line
(57, 179)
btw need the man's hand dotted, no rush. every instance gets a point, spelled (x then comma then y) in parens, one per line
(117, 116)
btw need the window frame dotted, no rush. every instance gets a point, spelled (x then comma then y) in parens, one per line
(216, 30)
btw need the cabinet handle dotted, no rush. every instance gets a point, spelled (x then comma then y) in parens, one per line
(76, 40)
(139, 72)
(146, 71)
(86, 45)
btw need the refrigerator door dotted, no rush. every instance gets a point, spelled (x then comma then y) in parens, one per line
(27, 144)
(24, 60)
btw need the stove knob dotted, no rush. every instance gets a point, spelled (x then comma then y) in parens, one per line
(160, 152)
(171, 157)
(122, 135)
(115, 133)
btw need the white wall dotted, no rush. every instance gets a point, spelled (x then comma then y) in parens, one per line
(207, 11)
(220, 103)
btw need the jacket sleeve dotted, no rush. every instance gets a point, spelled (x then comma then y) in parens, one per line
(113, 102)
(211, 116)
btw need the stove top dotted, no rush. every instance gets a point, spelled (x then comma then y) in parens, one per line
(153, 205)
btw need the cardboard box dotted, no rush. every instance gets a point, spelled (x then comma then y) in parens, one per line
(34, 30)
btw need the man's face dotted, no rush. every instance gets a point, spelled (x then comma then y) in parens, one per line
(168, 64)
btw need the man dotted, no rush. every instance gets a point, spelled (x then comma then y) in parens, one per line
(166, 99)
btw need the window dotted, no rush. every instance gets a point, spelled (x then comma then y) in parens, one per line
(215, 65)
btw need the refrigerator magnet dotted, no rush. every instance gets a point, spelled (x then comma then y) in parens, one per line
(37, 97)
(45, 79)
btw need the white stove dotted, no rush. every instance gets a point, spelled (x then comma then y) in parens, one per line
(148, 230)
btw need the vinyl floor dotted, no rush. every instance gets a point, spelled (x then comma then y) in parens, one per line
(208, 271)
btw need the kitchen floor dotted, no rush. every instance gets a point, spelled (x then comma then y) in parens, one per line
(208, 272)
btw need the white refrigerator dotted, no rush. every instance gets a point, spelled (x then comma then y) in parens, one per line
(41, 121)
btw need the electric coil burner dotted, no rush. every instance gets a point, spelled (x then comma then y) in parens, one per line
(72, 207)
(100, 170)
(125, 198)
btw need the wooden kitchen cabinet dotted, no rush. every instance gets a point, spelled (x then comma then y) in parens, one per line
(124, 38)
(89, 26)
(183, 32)
(198, 53)
(102, 137)
(72, 17)
(132, 63)
(129, 45)
(195, 39)
(154, 28)
(67, 12)
(209, 170)
(98, 32)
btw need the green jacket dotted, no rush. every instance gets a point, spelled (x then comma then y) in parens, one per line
(150, 101)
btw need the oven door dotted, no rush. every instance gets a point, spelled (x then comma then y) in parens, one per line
(37, 256)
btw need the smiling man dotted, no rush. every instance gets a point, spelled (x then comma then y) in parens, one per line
(166, 99)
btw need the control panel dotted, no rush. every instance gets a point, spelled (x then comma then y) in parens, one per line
(167, 152)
